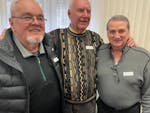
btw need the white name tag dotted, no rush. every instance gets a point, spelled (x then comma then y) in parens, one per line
(128, 73)
(55, 59)
(89, 47)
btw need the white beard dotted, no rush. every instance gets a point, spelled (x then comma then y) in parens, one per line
(32, 40)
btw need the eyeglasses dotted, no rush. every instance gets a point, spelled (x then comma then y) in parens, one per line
(29, 19)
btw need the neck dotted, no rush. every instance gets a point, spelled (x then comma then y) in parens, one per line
(75, 30)
(117, 53)
(33, 48)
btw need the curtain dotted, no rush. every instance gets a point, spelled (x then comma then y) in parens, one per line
(4, 13)
(56, 13)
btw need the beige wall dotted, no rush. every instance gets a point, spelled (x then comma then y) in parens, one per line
(137, 11)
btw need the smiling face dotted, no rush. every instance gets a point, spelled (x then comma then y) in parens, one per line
(80, 15)
(118, 33)
(27, 32)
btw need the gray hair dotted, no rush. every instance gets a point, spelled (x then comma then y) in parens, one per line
(71, 2)
(13, 5)
(119, 18)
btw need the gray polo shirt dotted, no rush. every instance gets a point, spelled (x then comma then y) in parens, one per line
(126, 83)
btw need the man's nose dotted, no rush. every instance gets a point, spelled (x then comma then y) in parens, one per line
(35, 20)
(116, 34)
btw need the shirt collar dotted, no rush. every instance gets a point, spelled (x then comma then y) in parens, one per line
(72, 30)
(25, 53)
(124, 50)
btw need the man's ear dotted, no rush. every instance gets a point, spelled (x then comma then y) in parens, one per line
(11, 23)
(69, 13)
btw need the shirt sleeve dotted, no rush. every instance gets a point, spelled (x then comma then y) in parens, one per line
(145, 91)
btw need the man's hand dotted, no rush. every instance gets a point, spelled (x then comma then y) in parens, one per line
(3, 34)
(131, 42)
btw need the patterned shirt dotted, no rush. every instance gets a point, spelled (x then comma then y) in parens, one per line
(77, 53)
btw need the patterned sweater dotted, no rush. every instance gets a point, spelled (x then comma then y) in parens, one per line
(78, 55)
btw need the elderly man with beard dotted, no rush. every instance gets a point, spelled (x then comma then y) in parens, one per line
(30, 79)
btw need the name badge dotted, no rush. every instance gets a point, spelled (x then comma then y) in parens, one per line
(128, 73)
(55, 59)
(89, 47)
